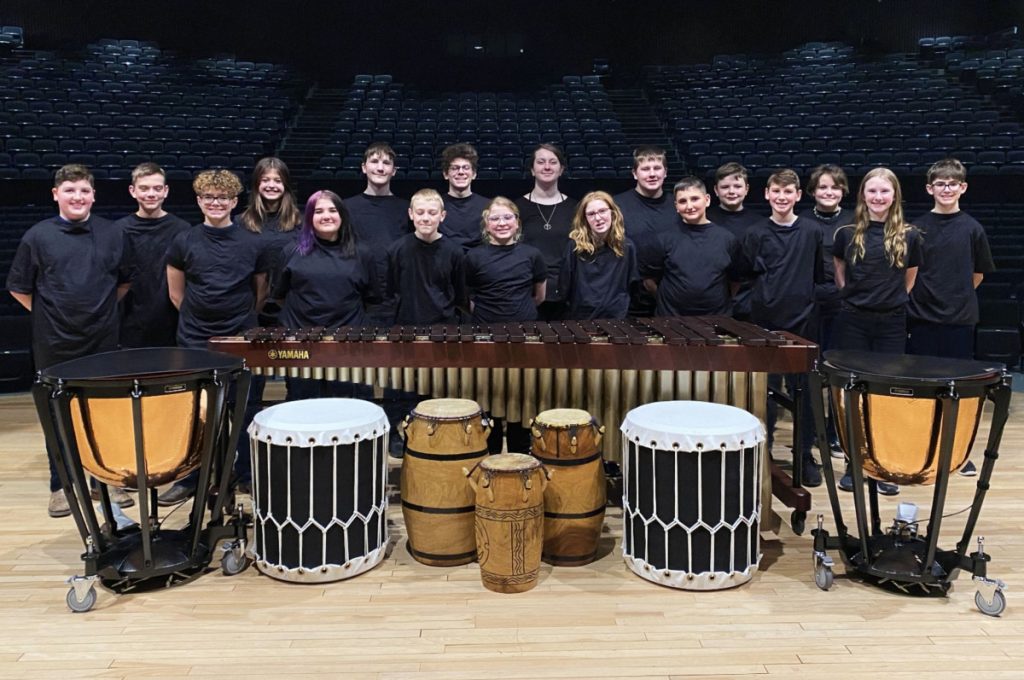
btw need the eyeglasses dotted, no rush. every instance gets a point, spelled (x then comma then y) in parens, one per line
(599, 211)
(942, 186)
(207, 198)
(463, 168)
(494, 219)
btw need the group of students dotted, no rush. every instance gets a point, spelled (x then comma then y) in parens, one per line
(150, 279)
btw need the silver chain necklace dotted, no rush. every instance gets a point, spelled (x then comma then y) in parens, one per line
(547, 220)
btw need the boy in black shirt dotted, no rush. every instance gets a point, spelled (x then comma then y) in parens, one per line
(425, 267)
(462, 207)
(217, 278)
(690, 267)
(379, 218)
(647, 211)
(943, 306)
(148, 319)
(69, 271)
(731, 188)
(783, 256)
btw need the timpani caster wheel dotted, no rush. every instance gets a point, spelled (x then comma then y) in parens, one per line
(234, 561)
(87, 601)
(823, 575)
(993, 608)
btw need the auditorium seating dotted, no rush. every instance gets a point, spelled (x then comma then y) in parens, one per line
(122, 94)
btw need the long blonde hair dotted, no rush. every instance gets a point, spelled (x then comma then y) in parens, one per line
(581, 234)
(895, 234)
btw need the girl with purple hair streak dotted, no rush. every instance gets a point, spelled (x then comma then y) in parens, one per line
(325, 280)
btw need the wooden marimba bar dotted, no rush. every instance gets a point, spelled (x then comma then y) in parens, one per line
(518, 370)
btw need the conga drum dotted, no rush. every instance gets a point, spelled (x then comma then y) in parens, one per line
(567, 441)
(509, 520)
(692, 496)
(319, 469)
(442, 437)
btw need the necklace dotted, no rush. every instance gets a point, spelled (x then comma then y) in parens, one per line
(547, 220)
(826, 217)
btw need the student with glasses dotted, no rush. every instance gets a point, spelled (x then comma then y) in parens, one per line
(506, 281)
(955, 257)
(217, 278)
(599, 267)
(462, 207)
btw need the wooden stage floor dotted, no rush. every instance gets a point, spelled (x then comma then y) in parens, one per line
(405, 620)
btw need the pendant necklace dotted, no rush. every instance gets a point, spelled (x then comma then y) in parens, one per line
(547, 220)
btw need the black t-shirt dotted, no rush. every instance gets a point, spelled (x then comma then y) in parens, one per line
(549, 241)
(500, 280)
(953, 248)
(426, 279)
(736, 222)
(219, 266)
(379, 221)
(872, 284)
(693, 270)
(148, 319)
(785, 263)
(597, 286)
(325, 287)
(72, 271)
(827, 294)
(645, 218)
(462, 220)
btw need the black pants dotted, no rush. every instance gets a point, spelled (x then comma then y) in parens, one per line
(871, 331)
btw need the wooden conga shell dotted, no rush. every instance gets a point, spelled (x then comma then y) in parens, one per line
(568, 442)
(509, 521)
(442, 437)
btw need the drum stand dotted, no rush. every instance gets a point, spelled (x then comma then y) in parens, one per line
(789, 488)
(898, 558)
(127, 556)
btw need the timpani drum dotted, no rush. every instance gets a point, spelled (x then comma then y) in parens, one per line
(692, 496)
(568, 442)
(443, 436)
(136, 419)
(319, 470)
(910, 420)
(894, 411)
(509, 520)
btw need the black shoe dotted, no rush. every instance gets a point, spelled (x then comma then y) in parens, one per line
(846, 482)
(244, 488)
(396, 447)
(178, 493)
(969, 470)
(887, 488)
(811, 474)
(835, 445)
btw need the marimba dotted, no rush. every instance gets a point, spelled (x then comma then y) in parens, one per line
(517, 370)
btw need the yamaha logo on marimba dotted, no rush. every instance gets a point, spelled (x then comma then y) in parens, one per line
(295, 354)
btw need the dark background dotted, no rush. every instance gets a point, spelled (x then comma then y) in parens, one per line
(497, 45)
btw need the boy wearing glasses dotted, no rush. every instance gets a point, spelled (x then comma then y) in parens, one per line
(689, 268)
(217, 278)
(461, 206)
(943, 308)
(68, 272)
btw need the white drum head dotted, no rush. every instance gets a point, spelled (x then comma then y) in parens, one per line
(319, 422)
(692, 425)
